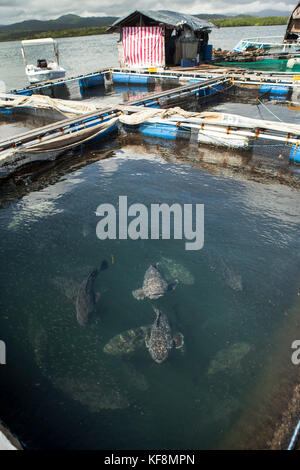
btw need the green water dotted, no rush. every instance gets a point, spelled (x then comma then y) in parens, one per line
(58, 388)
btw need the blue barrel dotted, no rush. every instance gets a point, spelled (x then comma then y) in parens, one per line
(279, 90)
(188, 62)
(135, 78)
(196, 80)
(208, 51)
(5, 111)
(265, 88)
(92, 81)
(165, 131)
(120, 77)
(295, 153)
(159, 130)
(24, 92)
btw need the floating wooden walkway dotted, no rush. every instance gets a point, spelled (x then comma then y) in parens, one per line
(240, 76)
(87, 80)
(55, 130)
(118, 75)
(200, 88)
(69, 126)
(72, 132)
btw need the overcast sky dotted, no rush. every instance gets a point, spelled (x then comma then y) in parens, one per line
(12, 11)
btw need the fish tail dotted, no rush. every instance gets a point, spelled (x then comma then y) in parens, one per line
(94, 274)
(158, 313)
(104, 265)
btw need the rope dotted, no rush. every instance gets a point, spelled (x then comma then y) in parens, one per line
(269, 110)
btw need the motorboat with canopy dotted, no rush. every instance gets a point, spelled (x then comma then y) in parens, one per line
(43, 70)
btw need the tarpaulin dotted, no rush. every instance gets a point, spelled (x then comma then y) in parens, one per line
(143, 46)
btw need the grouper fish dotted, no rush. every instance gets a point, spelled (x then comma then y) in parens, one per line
(154, 285)
(160, 341)
(86, 297)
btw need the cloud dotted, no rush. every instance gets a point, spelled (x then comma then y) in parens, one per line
(8, 3)
(19, 10)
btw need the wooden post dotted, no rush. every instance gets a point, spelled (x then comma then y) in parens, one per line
(120, 46)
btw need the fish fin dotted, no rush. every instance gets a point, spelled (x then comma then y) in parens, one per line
(156, 310)
(172, 285)
(138, 294)
(179, 341)
(93, 274)
(158, 314)
(104, 265)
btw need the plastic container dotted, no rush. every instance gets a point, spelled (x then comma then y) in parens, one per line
(279, 90)
(188, 62)
(207, 52)
(295, 153)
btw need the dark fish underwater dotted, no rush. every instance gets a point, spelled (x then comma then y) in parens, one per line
(86, 297)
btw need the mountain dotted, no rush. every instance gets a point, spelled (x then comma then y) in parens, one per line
(207, 16)
(62, 23)
(73, 25)
(263, 13)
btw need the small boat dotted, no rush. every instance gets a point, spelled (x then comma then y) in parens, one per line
(272, 54)
(43, 70)
(289, 44)
(269, 44)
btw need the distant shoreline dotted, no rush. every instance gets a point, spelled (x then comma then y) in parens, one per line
(90, 31)
(67, 33)
(251, 21)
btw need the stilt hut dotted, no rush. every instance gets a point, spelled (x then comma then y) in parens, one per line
(293, 27)
(162, 38)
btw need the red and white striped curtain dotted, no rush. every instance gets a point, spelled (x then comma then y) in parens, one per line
(143, 45)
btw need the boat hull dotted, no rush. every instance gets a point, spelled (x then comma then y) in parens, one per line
(45, 76)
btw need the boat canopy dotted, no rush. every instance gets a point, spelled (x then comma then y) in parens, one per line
(293, 27)
(40, 42)
(165, 17)
(36, 42)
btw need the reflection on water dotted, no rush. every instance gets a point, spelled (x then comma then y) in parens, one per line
(231, 299)
(236, 303)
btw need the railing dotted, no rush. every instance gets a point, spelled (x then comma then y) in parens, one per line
(271, 43)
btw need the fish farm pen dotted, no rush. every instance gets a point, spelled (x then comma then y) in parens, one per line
(227, 136)
(199, 93)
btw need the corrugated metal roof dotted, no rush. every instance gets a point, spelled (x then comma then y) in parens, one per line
(292, 25)
(296, 12)
(171, 18)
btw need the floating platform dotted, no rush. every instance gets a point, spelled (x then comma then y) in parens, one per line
(229, 131)
(87, 120)
(84, 81)
(174, 75)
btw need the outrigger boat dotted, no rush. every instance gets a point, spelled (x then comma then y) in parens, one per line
(290, 43)
(43, 71)
(274, 53)
(271, 44)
